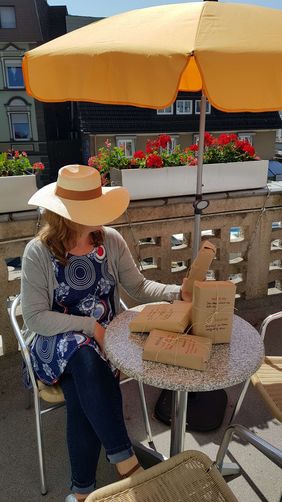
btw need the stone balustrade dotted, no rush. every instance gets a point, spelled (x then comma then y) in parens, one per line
(159, 233)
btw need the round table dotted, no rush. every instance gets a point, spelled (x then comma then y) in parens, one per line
(229, 365)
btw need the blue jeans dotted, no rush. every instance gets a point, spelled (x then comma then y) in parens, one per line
(94, 417)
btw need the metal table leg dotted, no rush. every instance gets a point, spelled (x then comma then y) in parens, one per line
(148, 456)
(178, 422)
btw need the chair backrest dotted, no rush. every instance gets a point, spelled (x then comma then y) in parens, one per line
(268, 378)
(267, 321)
(20, 335)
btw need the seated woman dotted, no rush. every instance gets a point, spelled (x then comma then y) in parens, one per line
(71, 277)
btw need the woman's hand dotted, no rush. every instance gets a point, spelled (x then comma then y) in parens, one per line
(99, 335)
(187, 297)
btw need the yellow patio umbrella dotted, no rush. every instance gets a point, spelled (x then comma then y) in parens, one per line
(144, 57)
(230, 52)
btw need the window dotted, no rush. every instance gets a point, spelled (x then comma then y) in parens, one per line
(184, 106)
(20, 126)
(7, 17)
(198, 107)
(18, 111)
(128, 144)
(173, 142)
(166, 111)
(246, 136)
(14, 74)
(196, 139)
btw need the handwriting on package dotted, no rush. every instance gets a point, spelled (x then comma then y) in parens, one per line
(179, 350)
(213, 309)
(172, 317)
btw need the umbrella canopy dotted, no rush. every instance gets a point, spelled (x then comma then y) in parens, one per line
(233, 52)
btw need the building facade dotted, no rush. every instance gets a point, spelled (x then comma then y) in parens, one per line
(47, 132)
(131, 127)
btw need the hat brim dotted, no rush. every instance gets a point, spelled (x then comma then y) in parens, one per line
(105, 209)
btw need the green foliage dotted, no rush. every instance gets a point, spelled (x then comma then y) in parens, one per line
(14, 163)
(108, 157)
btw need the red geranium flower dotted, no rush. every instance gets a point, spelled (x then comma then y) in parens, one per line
(139, 154)
(164, 139)
(153, 145)
(193, 148)
(149, 146)
(154, 160)
(233, 137)
(92, 161)
(193, 162)
(248, 148)
(209, 139)
(223, 139)
(245, 146)
(39, 166)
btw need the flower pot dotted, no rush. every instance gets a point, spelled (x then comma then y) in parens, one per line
(15, 191)
(182, 180)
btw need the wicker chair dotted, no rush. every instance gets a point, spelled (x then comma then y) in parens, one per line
(190, 476)
(53, 394)
(268, 379)
(268, 382)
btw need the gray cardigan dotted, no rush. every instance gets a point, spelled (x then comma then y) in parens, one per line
(39, 281)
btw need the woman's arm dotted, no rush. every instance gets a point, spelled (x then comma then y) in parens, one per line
(37, 311)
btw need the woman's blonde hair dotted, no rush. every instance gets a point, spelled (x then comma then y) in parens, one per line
(60, 235)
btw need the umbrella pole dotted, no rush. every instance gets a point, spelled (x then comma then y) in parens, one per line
(198, 205)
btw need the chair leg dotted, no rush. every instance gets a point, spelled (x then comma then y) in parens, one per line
(145, 415)
(40, 443)
(273, 453)
(27, 398)
(239, 402)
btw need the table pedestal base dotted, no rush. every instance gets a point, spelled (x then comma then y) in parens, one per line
(205, 410)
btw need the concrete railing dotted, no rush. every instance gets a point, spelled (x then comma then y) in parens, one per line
(250, 254)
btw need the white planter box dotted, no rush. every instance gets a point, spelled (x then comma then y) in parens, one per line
(15, 191)
(182, 180)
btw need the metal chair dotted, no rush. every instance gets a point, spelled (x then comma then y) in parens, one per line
(53, 394)
(268, 379)
(190, 476)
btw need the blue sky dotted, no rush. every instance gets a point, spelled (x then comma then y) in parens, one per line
(111, 7)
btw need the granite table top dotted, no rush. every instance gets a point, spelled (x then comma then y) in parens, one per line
(229, 364)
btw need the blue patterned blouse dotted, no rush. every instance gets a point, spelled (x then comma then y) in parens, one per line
(86, 288)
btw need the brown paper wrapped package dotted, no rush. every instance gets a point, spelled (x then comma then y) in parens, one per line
(213, 309)
(172, 317)
(200, 266)
(179, 350)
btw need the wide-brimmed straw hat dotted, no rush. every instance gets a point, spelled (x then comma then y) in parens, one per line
(78, 195)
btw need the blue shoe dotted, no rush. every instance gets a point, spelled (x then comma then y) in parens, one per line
(71, 498)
